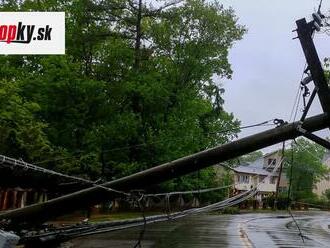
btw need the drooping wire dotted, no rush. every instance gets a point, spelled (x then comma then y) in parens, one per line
(197, 191)
(289, 193)
(279, 175)
(18, 163)
(141, 204)
(291, 178)
(234, 200)
(167, 206)
(104, 227)
(313, 205)
(177, 215)
(295, 106)
(26, 166)
(296, 223)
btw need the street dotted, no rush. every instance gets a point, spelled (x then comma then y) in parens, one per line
(244, 230)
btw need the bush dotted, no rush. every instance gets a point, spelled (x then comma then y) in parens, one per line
(316, 203)
(282, 202)
(230, 210)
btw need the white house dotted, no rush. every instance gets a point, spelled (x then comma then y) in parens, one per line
(251, 174)
(260, 172)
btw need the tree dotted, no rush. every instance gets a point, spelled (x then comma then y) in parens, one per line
(21, 135)
(306, 169)
(135, 88)
(327, 194)
(251, 157)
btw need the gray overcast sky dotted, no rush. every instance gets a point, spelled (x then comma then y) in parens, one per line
(267, 63)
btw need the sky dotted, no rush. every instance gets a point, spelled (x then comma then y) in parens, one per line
(267, 62)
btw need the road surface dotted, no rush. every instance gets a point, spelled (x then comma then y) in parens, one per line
(244, 230)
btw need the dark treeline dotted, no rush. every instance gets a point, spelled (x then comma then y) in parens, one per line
(136, 88)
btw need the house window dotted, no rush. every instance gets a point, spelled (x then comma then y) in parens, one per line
(272, 180)
(271, 161)
(282, 189)
(261, 178)
(243, 179)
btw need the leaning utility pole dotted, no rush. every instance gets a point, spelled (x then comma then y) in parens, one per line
(306, 126)
(314, 71)
(305, 32)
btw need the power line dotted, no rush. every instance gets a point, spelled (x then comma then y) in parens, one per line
(291, 177)
(103, 227)
(296, 223)
(297, 107)
(109, 226)
(26, 166)
(190, 191)
(298, 96)
(320, 5)
(289, 192)
(141, 204)
(314, 205)
(294, 104)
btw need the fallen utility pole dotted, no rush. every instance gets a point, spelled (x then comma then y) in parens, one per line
(33, 214)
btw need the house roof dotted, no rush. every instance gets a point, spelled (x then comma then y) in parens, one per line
(255, 167)
(270, 153)
(259, 163)
(251, 170)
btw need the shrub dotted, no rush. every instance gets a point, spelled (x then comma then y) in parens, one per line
(230, 210)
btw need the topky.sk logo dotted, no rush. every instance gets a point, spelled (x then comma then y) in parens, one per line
(21, 33)
(32, 33)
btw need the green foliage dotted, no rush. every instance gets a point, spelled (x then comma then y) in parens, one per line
(327, 69)
(327, 194)
(282, 202)
(319, 203)
(230, 210)
(111, 107)
(21, 135)
(307, 168)
(251, 157)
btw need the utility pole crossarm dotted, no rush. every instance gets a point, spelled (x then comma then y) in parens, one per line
(305, 32)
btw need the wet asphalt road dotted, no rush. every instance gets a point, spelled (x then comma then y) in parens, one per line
(244, 230)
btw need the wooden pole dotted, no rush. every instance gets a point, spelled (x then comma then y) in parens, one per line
(279, 177)
(305, 31)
